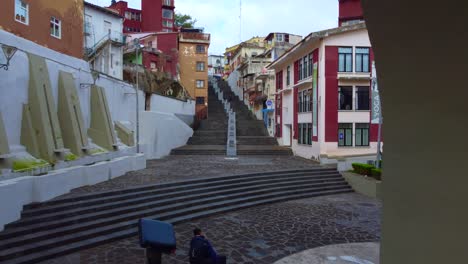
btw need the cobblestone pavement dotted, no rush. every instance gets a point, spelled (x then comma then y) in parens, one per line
(176, 168)
(260, 235)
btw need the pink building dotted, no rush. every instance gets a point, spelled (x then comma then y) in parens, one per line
(323, 101)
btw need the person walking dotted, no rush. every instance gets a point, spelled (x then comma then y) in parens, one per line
(201, 250)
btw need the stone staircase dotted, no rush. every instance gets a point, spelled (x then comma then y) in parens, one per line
(211, 137)
(252, 136)
(63, 226)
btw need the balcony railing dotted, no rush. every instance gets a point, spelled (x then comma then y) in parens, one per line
(168, 3)
(195, 36)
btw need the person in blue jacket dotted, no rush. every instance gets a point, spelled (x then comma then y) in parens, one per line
(201, 250)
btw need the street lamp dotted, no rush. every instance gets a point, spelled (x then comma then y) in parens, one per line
(137, 46)
(9, 52)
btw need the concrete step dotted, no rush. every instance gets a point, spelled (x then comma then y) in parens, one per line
(63, 226)
(197, 140)
(132, 230)
(256, 140)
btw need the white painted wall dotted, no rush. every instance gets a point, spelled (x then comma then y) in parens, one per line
(184, 110)
(162, 132)
(98, 23)
(120, 95)
(232, 81)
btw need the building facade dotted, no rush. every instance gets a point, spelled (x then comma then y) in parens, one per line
(154, 16)
(156, 52)
(216, 65)
(193, 59)
(103, 40)
(323, 106)
(46, 23)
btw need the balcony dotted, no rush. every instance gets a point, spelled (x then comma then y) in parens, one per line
(168, 3)
(195, 37)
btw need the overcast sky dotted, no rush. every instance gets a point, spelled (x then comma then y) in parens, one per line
(220, 18)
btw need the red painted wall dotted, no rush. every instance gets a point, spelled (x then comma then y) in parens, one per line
(374, 128)
(296, 114)
(350, 10)
(122, 7)
(167, 43)
(315, 58)
(152, 20)
(296, 72)
(331, 94)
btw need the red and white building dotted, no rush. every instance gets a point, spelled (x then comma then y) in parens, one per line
(323, 92)
(154, 16)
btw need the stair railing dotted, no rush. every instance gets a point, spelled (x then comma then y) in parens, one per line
(231, 146)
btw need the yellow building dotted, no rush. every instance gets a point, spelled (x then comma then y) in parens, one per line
(193, 60)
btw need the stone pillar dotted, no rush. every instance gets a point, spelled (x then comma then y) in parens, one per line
(422, 62)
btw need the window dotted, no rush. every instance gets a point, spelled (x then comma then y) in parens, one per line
(311, 62)
(153, 65)
(305, 68)
(288, 76)
(362, 98)
(345, 59)
(200, 100)
(200, 84)
(362, 60)
(345, 98)
(166, 13)
(200, 49)
(305, 134)
(128, 15)
(300, 102)
(280, 37)
(200, 66)
(300, 69)
(55, 27)
(21, 12)
(362, 135)
(168, 23)
(306, 106)
(345, 135)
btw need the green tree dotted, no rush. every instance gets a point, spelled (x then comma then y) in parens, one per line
(184, 21)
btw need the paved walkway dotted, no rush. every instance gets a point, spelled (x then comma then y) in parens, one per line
(358, 253)
(175, 168)
(261, 235)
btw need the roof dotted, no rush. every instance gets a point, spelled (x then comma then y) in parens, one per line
(317, 36)
(270, 36)
(103, 9)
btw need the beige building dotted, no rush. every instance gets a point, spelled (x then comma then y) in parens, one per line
(193, 60)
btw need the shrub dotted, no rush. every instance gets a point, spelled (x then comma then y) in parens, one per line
(28, 164)
(70, 157)
(376, 174)
(363, 169)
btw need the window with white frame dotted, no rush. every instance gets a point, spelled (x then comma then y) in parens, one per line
(167, 23)
(362, 59)
(55, 27)
(22, 12)
(345, 98)
(200, 83)
(288, 76)
(200, 66)
(304, 134)
(362, 134)
(167, 13)
(362, 98)
(280, 37)
(305, 101)
(345, 134)
(345, 59)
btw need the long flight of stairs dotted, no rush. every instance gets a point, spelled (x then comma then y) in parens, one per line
(63, 226)
(211, 137)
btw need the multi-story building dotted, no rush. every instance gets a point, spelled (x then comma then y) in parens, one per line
(156, 52)
(46, 23)
(103, 39)
(323, 94)
(216, 65)
(154, 16)
(279, 43)
(193, 59)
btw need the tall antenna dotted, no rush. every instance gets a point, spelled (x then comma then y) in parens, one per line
(240, 21)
